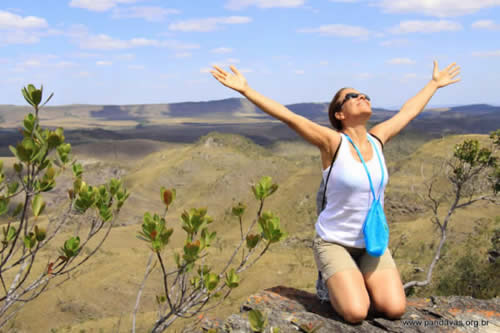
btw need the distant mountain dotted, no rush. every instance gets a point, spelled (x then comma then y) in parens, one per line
(185, 122)
(475, 108)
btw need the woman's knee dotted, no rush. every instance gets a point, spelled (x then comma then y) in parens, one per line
(355, 314)
(394, 310)
(348, 295)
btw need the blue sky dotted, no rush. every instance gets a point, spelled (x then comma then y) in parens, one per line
(152, 51)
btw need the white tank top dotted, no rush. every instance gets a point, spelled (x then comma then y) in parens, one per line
(349, 197)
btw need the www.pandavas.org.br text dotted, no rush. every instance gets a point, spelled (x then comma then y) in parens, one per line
(444, 322)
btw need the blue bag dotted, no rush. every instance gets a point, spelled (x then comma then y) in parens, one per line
(375, 228)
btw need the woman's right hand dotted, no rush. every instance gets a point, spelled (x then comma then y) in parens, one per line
(234, 81)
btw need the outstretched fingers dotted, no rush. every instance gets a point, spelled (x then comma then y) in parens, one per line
(452, 75)
(218, 76)
(455, 71)
(450, 66)
(220, 71)
(235, 70)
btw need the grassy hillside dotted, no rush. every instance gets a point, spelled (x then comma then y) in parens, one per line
(216, 172)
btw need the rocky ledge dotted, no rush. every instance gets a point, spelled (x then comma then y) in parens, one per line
(293, 310)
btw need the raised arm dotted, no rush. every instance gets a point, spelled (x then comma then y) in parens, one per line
(323, 137)
(389, 128)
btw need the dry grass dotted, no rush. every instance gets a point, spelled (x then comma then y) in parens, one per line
(217, 173)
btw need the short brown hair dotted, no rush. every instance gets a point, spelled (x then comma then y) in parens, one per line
(334, 108)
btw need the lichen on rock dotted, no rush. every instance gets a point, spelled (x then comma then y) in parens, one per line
(288, 309)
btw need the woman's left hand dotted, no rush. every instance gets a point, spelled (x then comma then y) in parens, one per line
(445, 77)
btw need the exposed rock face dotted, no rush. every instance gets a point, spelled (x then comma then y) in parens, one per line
(289, 308)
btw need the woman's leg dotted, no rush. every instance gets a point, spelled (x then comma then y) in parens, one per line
(384, 284)
(345, 283)
(386, 291)
(348, 295)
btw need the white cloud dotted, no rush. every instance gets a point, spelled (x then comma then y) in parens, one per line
(426, 26)
(222, 50)
(400, 61)
(52, 32)
(495, 53)
(207, 24)
(16, 29)
(364, 76)
(183, 55)
(42, 61)
(438, 8)
(105, 42)
(409, 77)
(83, 74)
(232, 61)
(103, 63)
(486, 24)
(134, 42)
(136, 67)
(98, 5)
(25, 36)
(14, 80)
(339, 30)
(64, 64)
(240, 4)
(323, 63)
(176, 45)
(32, 63)
(394, 42)
(299, 72)
(85, 55)
(18, 37)
(125, 56)
(13, 21)
(152, 14)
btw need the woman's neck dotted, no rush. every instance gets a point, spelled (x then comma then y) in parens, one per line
(358, 134)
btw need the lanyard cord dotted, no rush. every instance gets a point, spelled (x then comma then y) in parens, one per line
(366, 169)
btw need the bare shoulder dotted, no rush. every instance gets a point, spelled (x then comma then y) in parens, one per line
(379, 132)
(378, 140)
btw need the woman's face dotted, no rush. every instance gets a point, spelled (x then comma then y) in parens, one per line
(354, 103)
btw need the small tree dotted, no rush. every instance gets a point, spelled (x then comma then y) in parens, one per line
(475, 176)
(190, 285)
(41, 156)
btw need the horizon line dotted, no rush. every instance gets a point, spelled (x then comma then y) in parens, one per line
(391, 108)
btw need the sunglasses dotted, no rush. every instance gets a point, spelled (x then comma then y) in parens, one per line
(353, 95)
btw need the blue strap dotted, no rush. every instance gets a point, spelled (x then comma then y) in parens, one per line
(381, 166)
(366, 169)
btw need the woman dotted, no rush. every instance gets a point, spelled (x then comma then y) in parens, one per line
(354, 279)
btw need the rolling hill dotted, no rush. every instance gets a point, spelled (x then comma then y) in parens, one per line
(216, 171)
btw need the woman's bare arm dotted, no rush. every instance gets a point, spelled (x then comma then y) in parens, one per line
(412, 108)
(320, 136)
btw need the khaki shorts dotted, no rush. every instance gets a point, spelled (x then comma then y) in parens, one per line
(332, 258)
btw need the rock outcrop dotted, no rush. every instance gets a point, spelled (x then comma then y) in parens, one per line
(288, 309)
